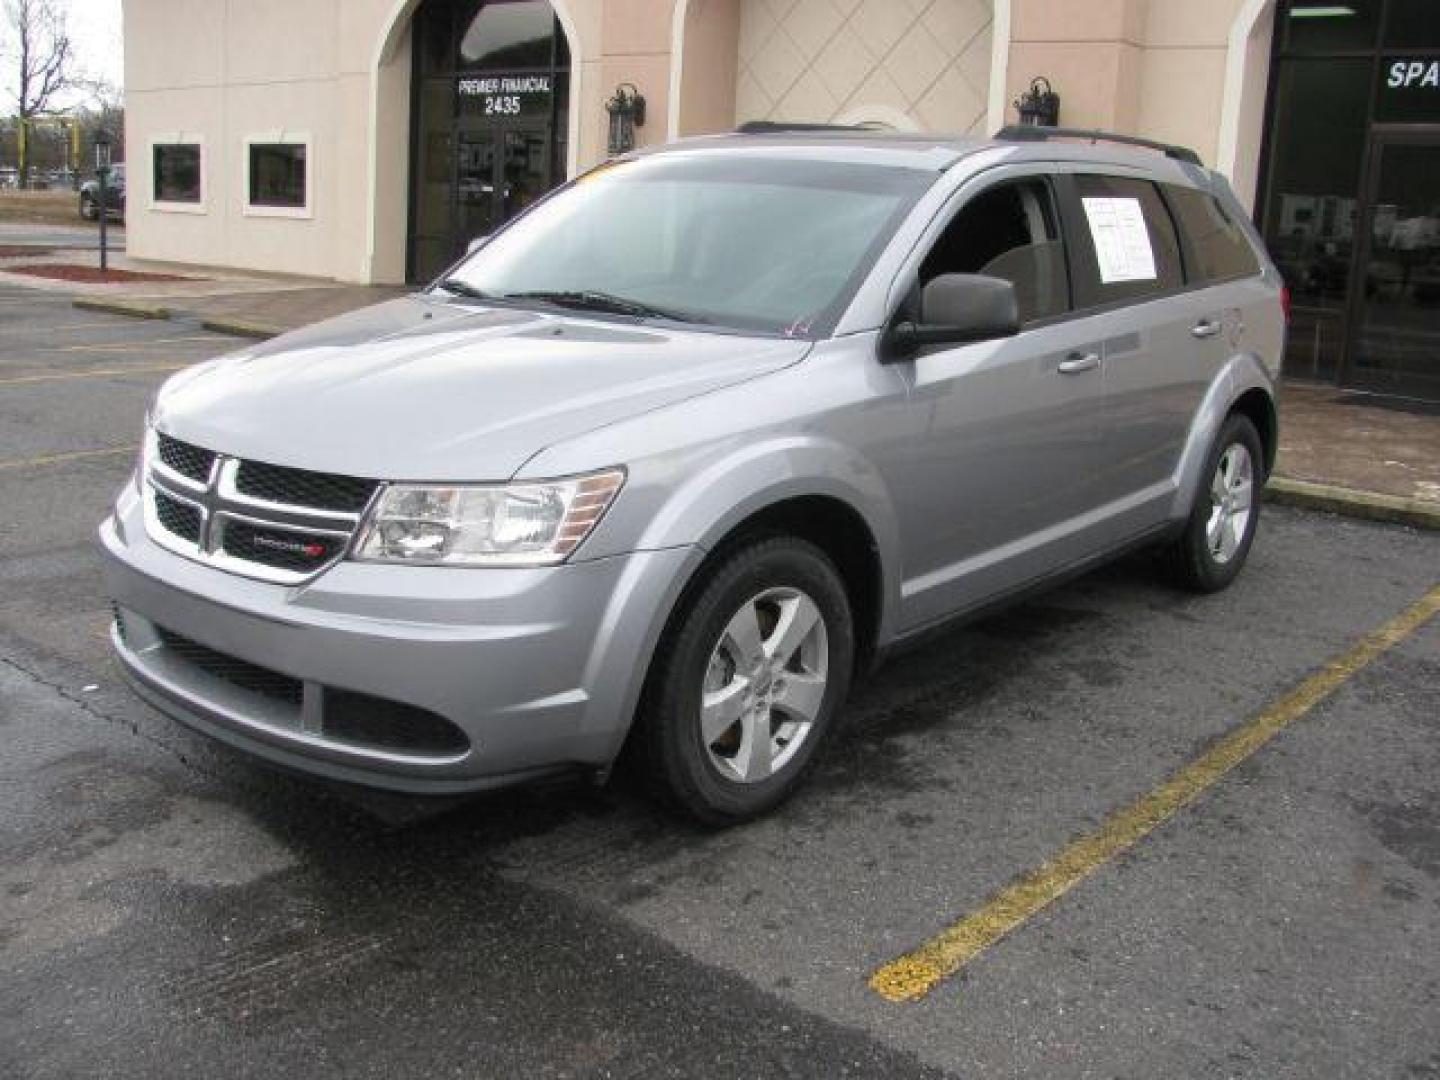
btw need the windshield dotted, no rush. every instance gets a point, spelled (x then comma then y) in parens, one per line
(739, 242)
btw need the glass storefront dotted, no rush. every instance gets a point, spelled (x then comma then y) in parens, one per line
(488, 121)
(1351, 211)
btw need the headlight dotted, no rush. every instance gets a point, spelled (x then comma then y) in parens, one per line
(493, 525)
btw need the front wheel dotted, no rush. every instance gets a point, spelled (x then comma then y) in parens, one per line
(1208, 555)
(88, 209)
(747, 682)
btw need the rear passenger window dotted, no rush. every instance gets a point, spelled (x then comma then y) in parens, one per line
(1010, 231)
(1216, 247)
(1126, 247)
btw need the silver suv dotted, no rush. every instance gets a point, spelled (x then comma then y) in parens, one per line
(666, 461)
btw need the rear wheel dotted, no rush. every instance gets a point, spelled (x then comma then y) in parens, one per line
(747, 683)
(1209, 554)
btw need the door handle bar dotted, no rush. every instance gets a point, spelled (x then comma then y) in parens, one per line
(1075, 363)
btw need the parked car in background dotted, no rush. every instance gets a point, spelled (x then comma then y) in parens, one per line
(677, 453)
(114, 195)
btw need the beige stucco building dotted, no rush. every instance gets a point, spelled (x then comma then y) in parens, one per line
(369, 140)
(336, 77)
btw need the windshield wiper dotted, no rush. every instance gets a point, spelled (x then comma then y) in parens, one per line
(461, 288)
(591, 300)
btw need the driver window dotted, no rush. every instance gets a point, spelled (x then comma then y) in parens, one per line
(1009, 231)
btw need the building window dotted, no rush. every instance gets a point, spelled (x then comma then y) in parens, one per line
(277, 176)
(177, 172)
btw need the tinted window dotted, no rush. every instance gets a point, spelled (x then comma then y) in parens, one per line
(1125, 242)
(1322, 26)
(1217, 247)
(1319, 124)
(1411, 24)
(277, 174)
(1011, 232)
(177, 173)
(738, 241)
(513, 34)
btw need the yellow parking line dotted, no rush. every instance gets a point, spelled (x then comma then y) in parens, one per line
(20, 331)
(93, 373)
(917, 973)
(73, 455)
(128, 346)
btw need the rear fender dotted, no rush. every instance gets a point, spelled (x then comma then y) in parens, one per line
(1244, 372)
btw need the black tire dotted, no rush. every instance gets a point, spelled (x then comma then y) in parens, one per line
(668, 745)
(1189, 559)
(87, 208)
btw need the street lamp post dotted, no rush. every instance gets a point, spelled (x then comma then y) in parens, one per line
(102, 172)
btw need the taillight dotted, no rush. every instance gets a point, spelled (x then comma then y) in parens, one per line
(1285, 302)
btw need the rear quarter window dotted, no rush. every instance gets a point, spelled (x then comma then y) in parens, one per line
(1125, 243)
(1216, 248)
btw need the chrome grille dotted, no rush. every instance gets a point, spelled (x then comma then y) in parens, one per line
(299, 487)
(189, 461)
(181, 519)
(281, 524)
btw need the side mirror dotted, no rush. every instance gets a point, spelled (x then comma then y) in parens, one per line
(957, 309)
(476, 244)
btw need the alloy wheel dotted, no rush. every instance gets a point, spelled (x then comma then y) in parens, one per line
(1232, 496)
(764, 685)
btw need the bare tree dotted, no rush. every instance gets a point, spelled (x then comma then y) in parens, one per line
(42, 47)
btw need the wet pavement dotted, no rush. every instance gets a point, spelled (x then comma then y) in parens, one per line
(167, 908)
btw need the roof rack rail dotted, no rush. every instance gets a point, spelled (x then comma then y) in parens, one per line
(774, 127)
(1036, 133)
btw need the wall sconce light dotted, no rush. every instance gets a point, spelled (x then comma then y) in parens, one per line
(1040, 105)
(627, 112)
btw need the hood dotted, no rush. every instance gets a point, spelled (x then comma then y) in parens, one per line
(421, 388)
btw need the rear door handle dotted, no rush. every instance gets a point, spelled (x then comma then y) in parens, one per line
(1205, 328)
(1076, 362)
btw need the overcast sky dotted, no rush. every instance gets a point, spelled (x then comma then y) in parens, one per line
(95, 31)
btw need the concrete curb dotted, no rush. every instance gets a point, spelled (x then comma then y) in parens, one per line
(1368, 505)
(239, 328)
(121, 307)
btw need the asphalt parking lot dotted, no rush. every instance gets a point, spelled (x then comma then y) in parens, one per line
(169, 909)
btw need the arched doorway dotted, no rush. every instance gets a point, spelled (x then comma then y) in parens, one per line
(490, 96)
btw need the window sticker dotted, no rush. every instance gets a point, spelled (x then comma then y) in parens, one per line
(1122, 242)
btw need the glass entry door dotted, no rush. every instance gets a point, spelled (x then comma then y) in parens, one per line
(498, 173)
(489, 117)
(474, 213)
(495, 173)
(1395, 347)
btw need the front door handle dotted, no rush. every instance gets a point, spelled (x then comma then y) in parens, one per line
(1205, 328)
(1076, 362)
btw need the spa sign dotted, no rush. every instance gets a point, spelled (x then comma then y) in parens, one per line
(1409, 90)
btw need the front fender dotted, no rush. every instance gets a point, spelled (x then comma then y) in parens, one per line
(1244, 372)
(697, 514)
(720, 495)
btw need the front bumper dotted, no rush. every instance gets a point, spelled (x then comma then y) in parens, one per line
(461, 679)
